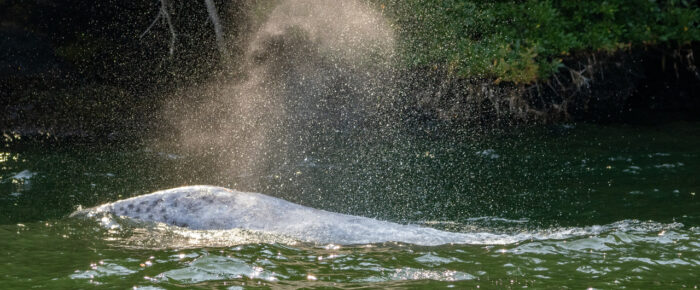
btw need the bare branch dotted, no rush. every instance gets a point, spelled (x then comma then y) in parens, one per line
(163, 12)
(214, 17)
(152, 23)
(166, 16)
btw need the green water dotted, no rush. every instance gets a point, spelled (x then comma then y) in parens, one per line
(604, 207)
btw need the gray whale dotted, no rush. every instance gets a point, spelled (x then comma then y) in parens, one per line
(216, 208)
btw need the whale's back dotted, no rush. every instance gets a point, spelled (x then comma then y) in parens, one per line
(217, 208)
(200, 208)
(176, 206)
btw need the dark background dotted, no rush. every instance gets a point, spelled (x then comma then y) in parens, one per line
(80, 70)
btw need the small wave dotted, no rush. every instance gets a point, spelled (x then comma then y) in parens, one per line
(498, 219)
(24, 175)
(479, 219)
(408, 273)
(669, 165)
(488, 153)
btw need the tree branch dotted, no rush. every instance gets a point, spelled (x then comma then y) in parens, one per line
(163, 12)
(166, 16)
(214, 17)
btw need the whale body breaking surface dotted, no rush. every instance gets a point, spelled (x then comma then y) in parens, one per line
(218, 208)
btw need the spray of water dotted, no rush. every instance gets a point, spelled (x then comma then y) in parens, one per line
(312, 68)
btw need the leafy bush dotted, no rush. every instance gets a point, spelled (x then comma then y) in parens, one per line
(524, 41)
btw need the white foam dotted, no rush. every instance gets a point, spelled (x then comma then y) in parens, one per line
(24, 175)
(488, 153)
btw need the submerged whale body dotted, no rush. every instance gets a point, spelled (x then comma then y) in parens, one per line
(217, 208)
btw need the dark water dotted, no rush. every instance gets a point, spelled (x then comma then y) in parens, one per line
(601, 206)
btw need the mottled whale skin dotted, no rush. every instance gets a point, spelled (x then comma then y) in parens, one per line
(216, 208)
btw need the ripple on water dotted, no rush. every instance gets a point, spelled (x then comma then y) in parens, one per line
(403, 274)
(604, 256)
(102, 269)
(432, 259)
(214, 268)
(624, 250)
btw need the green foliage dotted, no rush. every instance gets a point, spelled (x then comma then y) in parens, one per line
(523, 41)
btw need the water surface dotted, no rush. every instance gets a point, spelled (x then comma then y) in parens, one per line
(583, 205)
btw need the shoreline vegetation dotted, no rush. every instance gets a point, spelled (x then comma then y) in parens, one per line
(75, 71)
(553, 61)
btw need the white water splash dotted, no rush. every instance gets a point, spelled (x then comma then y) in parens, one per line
(24, 175)
(311, 67)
